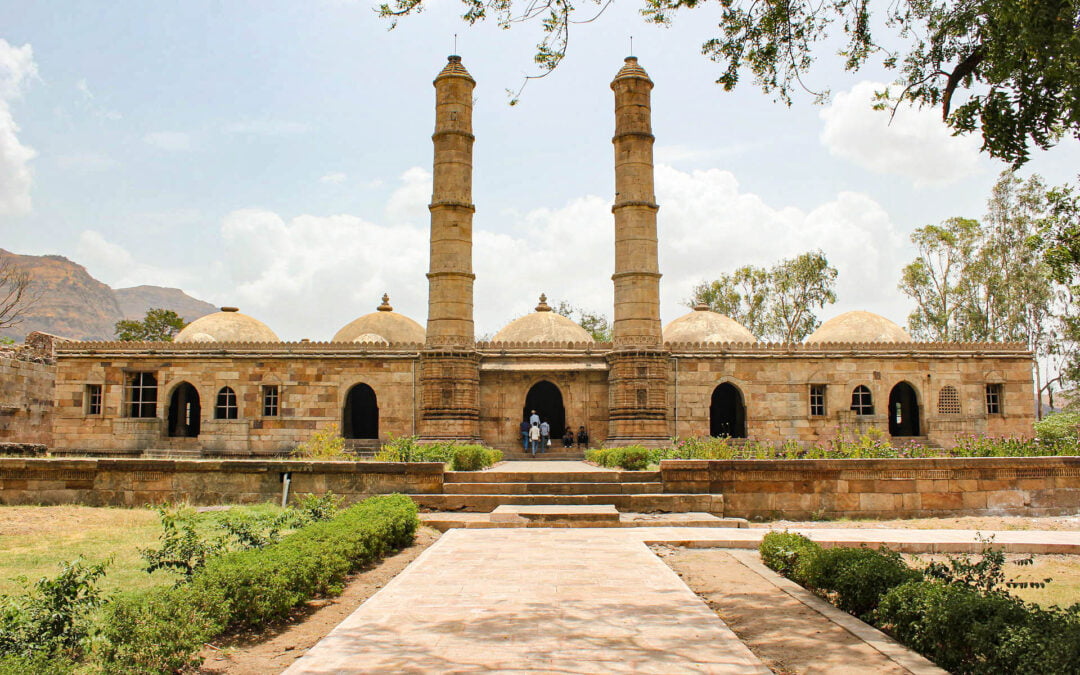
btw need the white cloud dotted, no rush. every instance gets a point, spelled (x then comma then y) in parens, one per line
(310, 275)
(170, 141)
(334, 178)
(916, 145)
(17, 67)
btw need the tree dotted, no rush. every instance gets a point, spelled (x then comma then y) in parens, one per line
(17, 295)
(159, 325)
(774, 304)
(989, 281)
(1010, 69)
(597, 325)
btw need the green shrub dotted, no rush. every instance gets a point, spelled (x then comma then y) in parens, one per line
(459, 457)
(160, 631)
(473, 457)
(52, 617)
(35, 665)
(1058, 427)
(784, 551)
(631, 458)
(858, 577)
(326, 445)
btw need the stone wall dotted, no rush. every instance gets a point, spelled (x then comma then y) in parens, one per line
(26, 401)
(883, 488)
(775, 389)
(137, 482)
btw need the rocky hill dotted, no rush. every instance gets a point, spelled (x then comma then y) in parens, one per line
(73, 304)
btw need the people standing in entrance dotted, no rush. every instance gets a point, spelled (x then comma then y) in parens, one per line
(524, 435)
(545, 436)
(534, 438)
(582, 437)
(534, 419)
(568, 437)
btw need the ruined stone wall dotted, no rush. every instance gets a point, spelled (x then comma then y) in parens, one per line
(883, 488)
(776, 387)
(312, 389)
(26, 401)
(138, 482)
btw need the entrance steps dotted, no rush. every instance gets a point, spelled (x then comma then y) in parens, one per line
(363, 447)
(517, 515)
(552, 455)
(625, 491)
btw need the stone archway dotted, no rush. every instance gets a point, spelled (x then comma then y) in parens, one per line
(546, 399)
(184, 411)
(903, 410)
(360, 418)
(727, 413)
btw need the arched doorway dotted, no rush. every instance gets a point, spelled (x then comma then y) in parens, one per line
(546, 399)
(361, 416)
(903, 410)
(184, 411)
(727, 414)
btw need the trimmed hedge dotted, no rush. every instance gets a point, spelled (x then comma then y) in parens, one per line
(631, 458)
(162, 630)
(960, 628)
(459, 457)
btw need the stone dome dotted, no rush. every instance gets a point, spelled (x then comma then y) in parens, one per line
(228, 325)
(859, 326)
(384, 323)
(543, 325)
(704, 325)
(371, 338)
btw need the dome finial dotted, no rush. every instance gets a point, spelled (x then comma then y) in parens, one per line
(385, 306)
(543, 306)
(701, 307)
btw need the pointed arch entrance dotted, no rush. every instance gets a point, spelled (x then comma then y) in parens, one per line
(903, 410)
(727, 414)
(184, 411)
(360, 419)
(546, 399)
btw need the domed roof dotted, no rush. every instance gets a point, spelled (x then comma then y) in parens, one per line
(543, 325)
(705, 325)
(371, 338)
(228, 325)
(385, 323)
(859, 326)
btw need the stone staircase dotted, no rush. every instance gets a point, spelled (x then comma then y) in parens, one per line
(363, 447)
(555, 454)
(627, 491)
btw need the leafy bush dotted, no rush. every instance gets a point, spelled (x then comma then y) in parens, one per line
(1058, 427)
(161, 630)
(784, 551)
(183, 549)
(316, 508)
(326, 445)
(459, 457)
(858, 577)
(11, 664)
(631, 458)
(51, 619)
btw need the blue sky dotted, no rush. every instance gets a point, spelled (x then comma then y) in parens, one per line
(276, 155)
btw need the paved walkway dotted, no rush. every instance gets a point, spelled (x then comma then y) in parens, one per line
(537, 601)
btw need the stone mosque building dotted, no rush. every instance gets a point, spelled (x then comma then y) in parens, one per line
(228, 387)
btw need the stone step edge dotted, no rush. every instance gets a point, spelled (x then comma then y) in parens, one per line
(444, 521)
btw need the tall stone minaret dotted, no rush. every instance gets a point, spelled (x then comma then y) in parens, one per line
(450, 276)
(639, 367)
(449, 364)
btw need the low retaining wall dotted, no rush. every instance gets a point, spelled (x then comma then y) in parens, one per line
(883, 488)
(137, 482)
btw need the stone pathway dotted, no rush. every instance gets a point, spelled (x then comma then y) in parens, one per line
(577, 601)
(536, 601)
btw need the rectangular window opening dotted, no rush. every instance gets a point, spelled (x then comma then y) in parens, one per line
(270, 395)
(817, 400)
(142, 395)
(93, 398)
(993, 399)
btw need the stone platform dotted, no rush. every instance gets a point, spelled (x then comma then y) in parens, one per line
(513, 515)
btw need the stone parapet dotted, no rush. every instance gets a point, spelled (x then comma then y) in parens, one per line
(883, 488)
(138, 482)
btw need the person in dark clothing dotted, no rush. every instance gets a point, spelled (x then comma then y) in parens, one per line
(582, 437)
(568, 438)
(525, 435)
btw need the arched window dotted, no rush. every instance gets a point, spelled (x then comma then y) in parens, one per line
(226, 408)
(948, 401)
(862, 401)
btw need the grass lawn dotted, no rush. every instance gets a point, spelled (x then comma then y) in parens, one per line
(34, 539)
